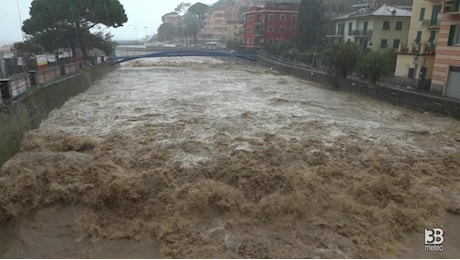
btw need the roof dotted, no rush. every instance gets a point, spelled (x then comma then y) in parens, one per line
(384, 10)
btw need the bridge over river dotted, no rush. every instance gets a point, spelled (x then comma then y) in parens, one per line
(183, 53)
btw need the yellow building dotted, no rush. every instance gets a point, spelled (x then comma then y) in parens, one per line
(379, 29)
(416, 57)
(218, 21)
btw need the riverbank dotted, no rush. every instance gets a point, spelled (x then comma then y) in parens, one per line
(28, 110)
(398, 96)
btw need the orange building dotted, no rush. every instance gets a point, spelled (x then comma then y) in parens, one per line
(446, 72)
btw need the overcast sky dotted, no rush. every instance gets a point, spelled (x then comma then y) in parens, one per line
(141, 14)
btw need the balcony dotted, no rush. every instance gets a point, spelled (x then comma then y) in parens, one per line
(432, 24)
(362, 33)
(418, 49)
(451, 7)
(259, 33)
(338, 36)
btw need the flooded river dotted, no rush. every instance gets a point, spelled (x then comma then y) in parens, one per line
(197, 157)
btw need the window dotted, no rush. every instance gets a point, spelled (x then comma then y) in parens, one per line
(294, 17)
(293, 29)
(436, 15)
(384, 44)
(422, 14)
(282, 29)
(271, 29)
(399, 26)
(350, 28)
(283, 17)
(341, 29)
(454, 35)
(261, 17)
(271, 17)
(386, 25)
(396, 43)
(366, 24)
(418, 37)
(270, 41)
(432, 38)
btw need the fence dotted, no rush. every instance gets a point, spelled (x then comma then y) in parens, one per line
(18, 84)
(286, 63)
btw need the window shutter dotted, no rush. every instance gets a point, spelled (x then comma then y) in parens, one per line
(450, 41)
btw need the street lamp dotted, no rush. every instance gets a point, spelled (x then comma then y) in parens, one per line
(135, 29)
(146, 35)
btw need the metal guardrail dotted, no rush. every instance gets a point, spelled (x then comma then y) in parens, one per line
(287, 63)
(186, 53)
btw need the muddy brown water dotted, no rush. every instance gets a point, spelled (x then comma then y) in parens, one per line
(198, 158)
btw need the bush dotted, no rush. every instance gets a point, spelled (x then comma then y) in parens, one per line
(341, 58)
(375, 65)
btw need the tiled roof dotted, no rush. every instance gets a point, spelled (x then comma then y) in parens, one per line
(384, 10)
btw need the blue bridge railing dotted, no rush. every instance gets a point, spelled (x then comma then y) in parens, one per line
(186, 53)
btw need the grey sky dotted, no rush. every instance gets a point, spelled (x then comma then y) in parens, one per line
(141, 14)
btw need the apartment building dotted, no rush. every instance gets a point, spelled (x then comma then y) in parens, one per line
(172, 18)
(221, 24)
(378, 29)
(446, 72)
(416, 58)
(271, 24)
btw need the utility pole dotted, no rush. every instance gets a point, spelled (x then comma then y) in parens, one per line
(20, 20)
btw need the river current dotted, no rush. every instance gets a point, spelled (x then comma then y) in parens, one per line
(200, 157)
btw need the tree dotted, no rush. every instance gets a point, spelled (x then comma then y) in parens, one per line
(72, 21)
(374, 65)
(199, 9)
(311, 24)
(182, 8)
(191, 28)
(166, 32)
(341, 58)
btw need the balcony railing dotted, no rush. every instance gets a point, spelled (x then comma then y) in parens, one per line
(418, 48)
(341, 35)
(363, 33)
(451, 7)
(259, 33)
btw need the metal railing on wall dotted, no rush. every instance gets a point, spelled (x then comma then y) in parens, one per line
(21, 83)
(285, 62)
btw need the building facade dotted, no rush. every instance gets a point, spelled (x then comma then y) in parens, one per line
(382, 28)
(416, 57)
(271, 24)
(220, 24)
(446, 72)
(172, 18)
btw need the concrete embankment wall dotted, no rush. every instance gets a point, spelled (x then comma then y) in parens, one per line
(27, 111)
(398, 96)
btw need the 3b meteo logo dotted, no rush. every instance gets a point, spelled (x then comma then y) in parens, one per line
(434, 239)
